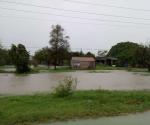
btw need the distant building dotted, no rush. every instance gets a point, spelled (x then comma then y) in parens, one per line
(106, 60)
(83, 62)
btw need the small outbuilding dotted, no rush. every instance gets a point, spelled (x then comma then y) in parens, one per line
(83, 62)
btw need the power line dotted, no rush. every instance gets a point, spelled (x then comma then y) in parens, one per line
(107, 5)
(35, 47)
(89, 19)
(80, 2)
(83, 23)
(35, 12)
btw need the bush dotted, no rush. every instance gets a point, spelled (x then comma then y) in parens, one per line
(65, 87)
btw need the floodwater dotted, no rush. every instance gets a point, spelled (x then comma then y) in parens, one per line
(44, 82)
(137, 119)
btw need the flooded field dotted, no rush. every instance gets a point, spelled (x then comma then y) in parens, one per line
(43, 82)
(137, 119)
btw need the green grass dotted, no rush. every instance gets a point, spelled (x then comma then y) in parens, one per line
(98, 69)
(6, 66)
(104, 67)
(39, 69)
(52, 70)
(23, 110)
(4, 71)
(130, 69)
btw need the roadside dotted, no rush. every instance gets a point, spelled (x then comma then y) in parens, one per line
(22, 110)
(98, 69)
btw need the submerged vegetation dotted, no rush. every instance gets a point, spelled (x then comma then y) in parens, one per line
(24, 110)
(138, 70)
(99, 71)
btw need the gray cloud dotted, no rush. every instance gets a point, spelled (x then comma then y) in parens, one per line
(33, 29)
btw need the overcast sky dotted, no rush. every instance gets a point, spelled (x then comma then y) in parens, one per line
(93, 32)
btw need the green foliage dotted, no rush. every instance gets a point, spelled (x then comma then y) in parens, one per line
(105, 67)
(4, 56)
(89, 54)
(131, 54)
(20, 58)
(76, 54)
(59, 44)
(143, 56)
(125, 52)
(80, 54)
(21, 110)
(66, 87)
(43, 56)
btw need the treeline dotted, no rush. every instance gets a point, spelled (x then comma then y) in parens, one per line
(17, 55)
(45, 56)
(131, 54)
(59, 53)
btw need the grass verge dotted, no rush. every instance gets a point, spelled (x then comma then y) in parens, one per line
(105, 67)
(52, 70)
(24, 110)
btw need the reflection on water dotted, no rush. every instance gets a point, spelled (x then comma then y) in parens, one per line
(114, 80)
(138, 119)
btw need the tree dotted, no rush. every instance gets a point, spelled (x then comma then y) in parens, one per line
(4, 56)
(148, 57)
(20, 58)
(2, 59)
(76, 54)
(59, 43)
(43, 56)
(89, 54)
(125, 52)
(143, 56)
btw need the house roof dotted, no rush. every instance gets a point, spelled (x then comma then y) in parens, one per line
(83, 59)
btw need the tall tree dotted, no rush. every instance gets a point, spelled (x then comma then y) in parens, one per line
(20, 58)
(59, 43)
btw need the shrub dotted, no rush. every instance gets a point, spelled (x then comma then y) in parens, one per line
(65, 87)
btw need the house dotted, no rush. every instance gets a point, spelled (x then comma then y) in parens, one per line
(83, 62)
(106, 60)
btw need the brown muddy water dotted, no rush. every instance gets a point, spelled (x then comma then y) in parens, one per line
(44, 82)
(137, 119)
